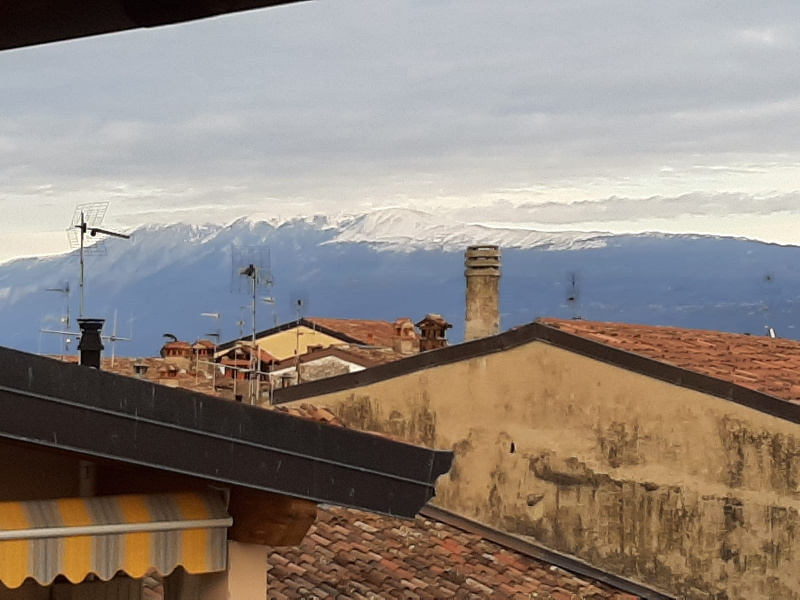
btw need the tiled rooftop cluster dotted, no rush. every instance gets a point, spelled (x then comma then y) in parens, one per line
(352, 554)
(761, 363)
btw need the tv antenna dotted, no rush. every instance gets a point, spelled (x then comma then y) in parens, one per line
(573, 297)
(87, 218)
(114, 338)
(64, 320)
(252, 274)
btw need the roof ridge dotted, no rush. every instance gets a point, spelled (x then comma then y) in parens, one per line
(664, 370)
(558, 322)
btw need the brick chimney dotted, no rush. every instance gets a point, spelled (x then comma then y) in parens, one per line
(433, 328)
(483, 292)
(404, 340)
(140, 370)
(91, 344)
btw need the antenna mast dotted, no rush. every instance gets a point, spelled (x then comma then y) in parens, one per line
(65, 320)
(251, 268)
(573, 297)
(87, 218)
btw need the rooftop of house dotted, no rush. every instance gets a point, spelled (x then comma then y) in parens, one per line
(242, 350)
(312, 413)
(360, 355)
(371, 472)
(759, 372)
(366, 331)
(25, 24)
(353, 554)
(207, 344)
(761, 363)
(178, 344)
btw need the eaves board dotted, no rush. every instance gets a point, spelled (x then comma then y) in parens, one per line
(94, 413)
(287, 327)
(31, 22)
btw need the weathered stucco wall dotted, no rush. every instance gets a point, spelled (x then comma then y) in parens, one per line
(674, 488)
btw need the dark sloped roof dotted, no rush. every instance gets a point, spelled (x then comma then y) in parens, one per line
(352, 554)
(77, 409)
(735, 378)
(41, 21)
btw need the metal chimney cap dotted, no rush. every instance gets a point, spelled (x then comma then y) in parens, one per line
(91, 324)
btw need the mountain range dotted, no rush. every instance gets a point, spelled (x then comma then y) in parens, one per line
(391, 263)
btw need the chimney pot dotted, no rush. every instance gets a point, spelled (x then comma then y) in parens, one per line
(483, 291)
(140, 370)
(91, 344)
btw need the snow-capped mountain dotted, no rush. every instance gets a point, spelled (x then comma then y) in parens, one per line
(402, 229)
(393, 263)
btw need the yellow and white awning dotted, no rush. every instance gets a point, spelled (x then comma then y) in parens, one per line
(104, 535)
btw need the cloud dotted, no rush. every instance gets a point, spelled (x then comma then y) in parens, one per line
(616, 209)
(350, 103)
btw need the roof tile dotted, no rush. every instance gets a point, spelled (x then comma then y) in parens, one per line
(368, 332)
(415, 559)
(767, 365)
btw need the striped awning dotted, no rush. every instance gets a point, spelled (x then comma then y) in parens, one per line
(78, 536)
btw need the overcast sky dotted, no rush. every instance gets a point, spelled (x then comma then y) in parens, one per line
(613, 115)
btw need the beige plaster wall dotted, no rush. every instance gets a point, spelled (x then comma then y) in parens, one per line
(245, 578)
(677, 489)
(283, 344)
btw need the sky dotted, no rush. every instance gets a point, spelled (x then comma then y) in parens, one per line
(612, 115)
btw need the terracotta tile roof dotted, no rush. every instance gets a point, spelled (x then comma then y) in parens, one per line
(360, 355)
(178, 345)
(243, 349)
(374, 356)
(369, 333)
(761, 363)
(353, 554)
(311, 412)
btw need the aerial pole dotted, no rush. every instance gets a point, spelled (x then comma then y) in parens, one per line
(82, 227)
(87, 219)
(254, 353)
(251, 265)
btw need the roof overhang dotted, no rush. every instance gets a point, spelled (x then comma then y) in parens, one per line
(97, 414)
(31, 22)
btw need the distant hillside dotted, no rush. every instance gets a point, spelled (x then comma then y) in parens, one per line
(403, 263)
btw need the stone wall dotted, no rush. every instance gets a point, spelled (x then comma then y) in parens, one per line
(676, 489)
